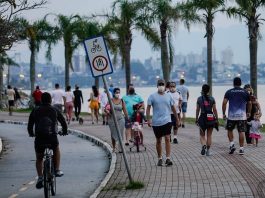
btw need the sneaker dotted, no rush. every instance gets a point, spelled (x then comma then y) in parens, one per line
(208, 153)
(127, 144)
(160, 162)
(203, 151)
(169, 162)
(241, 152)
(39, 183)
(59, 173)
(232, 149)
(183, 126)
(103, 123)
(175, 141)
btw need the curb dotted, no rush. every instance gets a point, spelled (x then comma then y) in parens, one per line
(112, 156)
(1, 146)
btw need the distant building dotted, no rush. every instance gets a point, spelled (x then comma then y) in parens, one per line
(227, 56)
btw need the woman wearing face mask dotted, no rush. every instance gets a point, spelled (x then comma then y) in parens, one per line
(120, 112)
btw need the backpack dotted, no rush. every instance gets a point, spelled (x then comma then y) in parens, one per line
(208, 115)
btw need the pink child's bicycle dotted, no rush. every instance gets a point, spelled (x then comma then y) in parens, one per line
(138, 136)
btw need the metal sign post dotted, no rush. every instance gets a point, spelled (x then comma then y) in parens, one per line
(100, 65)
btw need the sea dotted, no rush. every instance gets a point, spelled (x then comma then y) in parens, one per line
(195, 92)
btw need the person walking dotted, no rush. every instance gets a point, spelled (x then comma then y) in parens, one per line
(58, 98)
(131, 99)
(77, 101)
(37, 96)
(11, 99)
(162, 104)
(255, 126)
(69, 103)
(255, 108)
(44, 119)
(238, 100)
(120, 112)
(17, 98)
(185, 97)
(94, 103)
(178, 101)
(206, 108)
(103, 99)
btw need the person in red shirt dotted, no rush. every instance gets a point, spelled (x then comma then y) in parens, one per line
(37, 96)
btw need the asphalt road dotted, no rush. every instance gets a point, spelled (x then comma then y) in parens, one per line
(84, 165)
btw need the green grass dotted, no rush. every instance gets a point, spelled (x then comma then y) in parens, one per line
(134, 185)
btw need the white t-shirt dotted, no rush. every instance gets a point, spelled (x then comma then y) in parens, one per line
(177, 98)
(10, 94)
(103, 99)
(184, 92)
(69, 96)
(57, 96)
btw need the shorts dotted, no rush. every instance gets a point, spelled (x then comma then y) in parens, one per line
(40, 143)
(58, 107)
(241, 125)
(174, 121)
(163, 130)
(184, 107)
(94, 105)
(11, 103)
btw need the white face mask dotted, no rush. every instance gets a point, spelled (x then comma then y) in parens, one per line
(161, 89)
(173, 89)
(116, 95)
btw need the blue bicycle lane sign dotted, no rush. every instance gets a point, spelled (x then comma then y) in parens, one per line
(98, 56)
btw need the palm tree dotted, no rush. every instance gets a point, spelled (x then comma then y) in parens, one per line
(36, 33)
(207, 9)
(248, 10)
(128, 16)
(166, 15)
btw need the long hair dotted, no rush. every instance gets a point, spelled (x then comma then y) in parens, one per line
(205, 91)
(95, 91)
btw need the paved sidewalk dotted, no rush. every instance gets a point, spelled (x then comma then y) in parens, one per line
(192, 175)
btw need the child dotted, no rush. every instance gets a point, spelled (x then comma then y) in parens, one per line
(137, 119)
(255, 125)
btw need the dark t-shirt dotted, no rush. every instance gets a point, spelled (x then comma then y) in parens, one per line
(205, 103)
(238, 99)
(78, 96)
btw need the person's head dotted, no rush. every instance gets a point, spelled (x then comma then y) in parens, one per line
(76, 87)
(181, 81)
(249, 89)
(95, 90)
(205, 89)
(68, 88)
(172, 86)
(9, 87)
(57, 86)
(116, 92)
(46, 98)
(167, 85)
(161, 85)
(37, 87)
(256, 116)
(237, 82)
(131, 90)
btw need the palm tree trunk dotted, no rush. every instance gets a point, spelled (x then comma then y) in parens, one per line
(164, 51)
(253, 48)
(67, 66)
(97, 82)
(32, 68)
(127, 66)
(1, 86)
(209, 29)
(8, 75)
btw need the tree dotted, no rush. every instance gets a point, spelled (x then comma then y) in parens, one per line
(166, 15)
(36, 34)
(128, 16)
(248, 10)
(206, 10)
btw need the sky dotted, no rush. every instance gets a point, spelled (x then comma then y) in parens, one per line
(228, 33)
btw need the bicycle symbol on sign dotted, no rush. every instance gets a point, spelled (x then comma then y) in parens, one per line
(96, 47)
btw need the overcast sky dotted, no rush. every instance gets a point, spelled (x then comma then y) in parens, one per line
(228, 33)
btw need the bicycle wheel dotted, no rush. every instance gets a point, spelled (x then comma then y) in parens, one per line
(53, 181)
(46, 179)
(137, 143)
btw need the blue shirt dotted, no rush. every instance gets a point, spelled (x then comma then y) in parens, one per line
(161, 108)
(238, 99)
(131, 100)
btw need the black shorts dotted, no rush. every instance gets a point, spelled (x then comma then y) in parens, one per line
(41, 142)
(174, 121)
(241, 125)
(163, 130)
(11, 103)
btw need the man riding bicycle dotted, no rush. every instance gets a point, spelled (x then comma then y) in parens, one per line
(45, 118)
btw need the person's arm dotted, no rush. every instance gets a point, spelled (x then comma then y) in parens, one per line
(188, 95)
(215, 112)
(259, 109)
(198, 108)
(62, 121)
(125, 110)
(31, 122)
(173, 108)
(224, 107)
(81, 95)
(249, 105)
(148, 115)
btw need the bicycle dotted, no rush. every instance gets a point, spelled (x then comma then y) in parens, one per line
(49, 178)
(138, 136)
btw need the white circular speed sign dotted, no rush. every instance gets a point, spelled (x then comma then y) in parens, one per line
(100, 63)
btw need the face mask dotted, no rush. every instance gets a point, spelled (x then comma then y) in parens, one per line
(116, 95)
(161, 89)
(131, 91)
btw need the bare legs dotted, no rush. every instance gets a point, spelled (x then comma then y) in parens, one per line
(159, 146)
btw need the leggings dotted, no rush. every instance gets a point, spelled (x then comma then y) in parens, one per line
(69, 110)
(77, 109)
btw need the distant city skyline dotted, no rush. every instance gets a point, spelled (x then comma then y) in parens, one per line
(228, 33)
